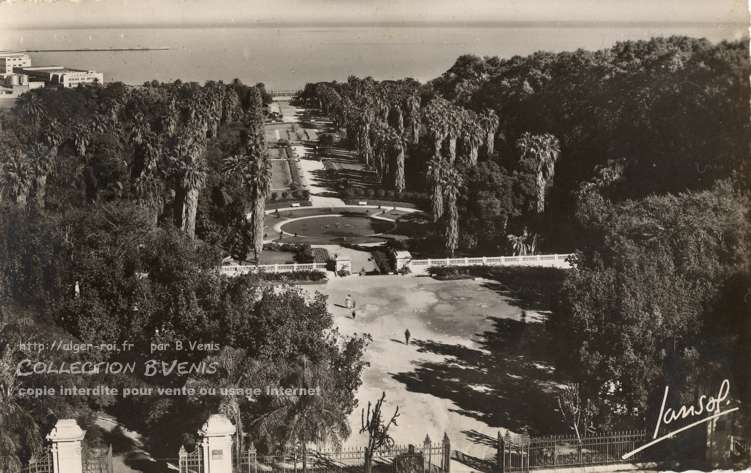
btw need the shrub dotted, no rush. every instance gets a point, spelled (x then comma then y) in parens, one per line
(327, 139)
(370, 192)
(274, 196)
(379, 193)
(285, 195)
(295, 276)
(383, 261)
(390, 194)
(304, 254)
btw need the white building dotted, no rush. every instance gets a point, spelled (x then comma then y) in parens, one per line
(59, 75)
(10, 60)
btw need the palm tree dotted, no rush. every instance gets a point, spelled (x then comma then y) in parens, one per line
(254, 171)
(435, 178)
(19, 429)
(398, 144)
(413, 117)
(260, 171)
(149, 190)
(455, 124)
(490, 123)
(312, 418)
(540, 152)
(261, 185)
(236, 371)
(435, 118)
(473, 135)
(452, 185)
(188, 173)
(41, 160)
(17, 176)
(30, 105)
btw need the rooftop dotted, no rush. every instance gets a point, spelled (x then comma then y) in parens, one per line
(50, 69)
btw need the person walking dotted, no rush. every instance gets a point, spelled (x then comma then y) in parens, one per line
(354, 313)
(406, 337)
(348, 301)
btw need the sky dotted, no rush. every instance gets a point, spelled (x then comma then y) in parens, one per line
(87, 13)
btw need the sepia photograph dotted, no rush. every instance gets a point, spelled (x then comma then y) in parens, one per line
(375, 236)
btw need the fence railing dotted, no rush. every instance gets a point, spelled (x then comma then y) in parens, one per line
(41, 463)
(190, 462)
(435, 459)
(238, 269)
(553, 260)
(98, 461)
(283, 93)
(523, 453)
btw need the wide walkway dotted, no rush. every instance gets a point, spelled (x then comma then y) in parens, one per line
(472, 367)
(309, 167)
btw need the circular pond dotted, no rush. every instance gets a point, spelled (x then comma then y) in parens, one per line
(336, 226)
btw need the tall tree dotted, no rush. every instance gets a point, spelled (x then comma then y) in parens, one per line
(453, 182)
(435, 119)
(186, 168)
(316, 417)
(539, 153)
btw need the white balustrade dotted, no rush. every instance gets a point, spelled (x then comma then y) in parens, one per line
(552, 260)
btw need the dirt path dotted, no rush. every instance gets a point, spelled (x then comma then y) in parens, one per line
(318, 194)
(440, 381)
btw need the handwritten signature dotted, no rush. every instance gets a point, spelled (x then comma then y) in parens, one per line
(708, 405)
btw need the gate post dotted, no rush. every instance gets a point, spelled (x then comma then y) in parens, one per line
(252, 459)
(446, 463)
(426, 451)
(500, 453)
(217, 435)
(66, 439)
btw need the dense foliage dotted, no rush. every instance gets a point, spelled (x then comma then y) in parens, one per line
(673, 110)
(659, 297)
(118, 204)
(635, 156)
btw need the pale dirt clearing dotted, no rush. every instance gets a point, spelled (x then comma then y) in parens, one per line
(460, 373)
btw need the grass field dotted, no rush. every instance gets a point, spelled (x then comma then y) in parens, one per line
(337, 227)
(281, 176)
(277, 257)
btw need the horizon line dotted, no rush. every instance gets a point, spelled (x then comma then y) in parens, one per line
(396, 24)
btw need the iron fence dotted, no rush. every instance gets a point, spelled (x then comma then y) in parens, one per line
(98, 461)
(41, 463)
(435, 458)
(190, 462)
(522, 453)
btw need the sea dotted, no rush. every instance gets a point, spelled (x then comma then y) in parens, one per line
(287, 57)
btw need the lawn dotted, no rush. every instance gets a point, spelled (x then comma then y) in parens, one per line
(277, 257)
(337, 227)
(281, 175)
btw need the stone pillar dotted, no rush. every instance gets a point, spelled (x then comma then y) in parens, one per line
(217, 435)
(66, 439)
(343, 263)
(446, 460)
(402, 259)
(501, 453)
(426, 454)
